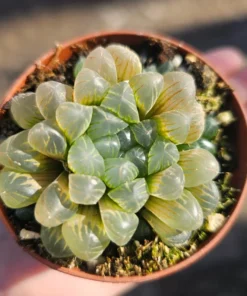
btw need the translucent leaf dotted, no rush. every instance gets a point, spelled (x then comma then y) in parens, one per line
(119, 171)
(83, 158)
(138, 156)
(197, 123)
(90, 88)
(130, 196)
(127, 62)
(211, 127)
(161, 155)
(21, 190)
(73, 119)
(126, 139)
(25, 111)
(144, 132)
(173, 125)
(49, 95)
(178, 94)
(85, 234)
(208, 196)
(199, 166)
(120, 101)
(108, 146)
(167, 184)
(54, 242)
(54, 206)
(78, 66)
(85, 190)
(18, 155)
(100, 61)
(47, 138)
(104, 124)
(147, 88)
(168, 235)
(184, 213)
(207, 145)
(119, 225)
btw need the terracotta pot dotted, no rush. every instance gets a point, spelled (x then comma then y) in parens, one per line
(239, 179)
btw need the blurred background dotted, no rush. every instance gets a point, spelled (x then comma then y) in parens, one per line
(28, 28)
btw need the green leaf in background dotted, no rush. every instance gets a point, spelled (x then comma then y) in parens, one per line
(162, 154)
(47, 138)
(167, 184)
(126, 138)
(212, 126)
(101, 61)
(49, 95)
(54, 242)
(199, 166)
(170, 236)
(120, 101)
(144, 132)
(179, 94)
(127, 62)
(24, 110)
(119, 225)
(54, 205)
(130, 196)
(18, 155)
(147, 88)
(138, 156)
(119, 171)
(83, 158)
(90, 88)
(85, 234)
(208, 196)
(21, 190)
(73, 119)
(79, 66)
(108, 146)
(173, 125)
(104, 124)
(85, 190)
(184, 213)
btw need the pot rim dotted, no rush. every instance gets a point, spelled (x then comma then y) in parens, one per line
(214, 240)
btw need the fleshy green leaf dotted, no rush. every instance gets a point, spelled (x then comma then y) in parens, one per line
(78, 66)
(147, 88)
(73, 119)
(119, 171)
(199, 166)
(21, 190)
(119, 225)
(127, 62)
(173, 125)
(144, 132)
(130, 196)
(184, 213)
(108, 146)
(18, 155)
(167, 184)
(25, 111)
(168, 235)
(126, 138)
(49, 95)
(161, 155)
(208, 196)
(85, 234)
(178, 94)
(120, 101)
(54, 205)
(90, 88)
(47, 138)
(101, 61)
(211, 127)
(85, 190)
(54, 242)
(138, 156)
(83, 158)
(104, 124)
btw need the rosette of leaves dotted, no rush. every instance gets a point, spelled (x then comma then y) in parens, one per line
(97, 156)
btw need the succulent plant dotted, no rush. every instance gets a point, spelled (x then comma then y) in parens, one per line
(123, 143)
